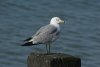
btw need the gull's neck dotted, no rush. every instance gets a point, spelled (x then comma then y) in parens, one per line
(56, 25)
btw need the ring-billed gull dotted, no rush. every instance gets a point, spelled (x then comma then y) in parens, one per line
(46, 34)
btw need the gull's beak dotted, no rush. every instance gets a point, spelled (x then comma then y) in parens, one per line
(61, 21)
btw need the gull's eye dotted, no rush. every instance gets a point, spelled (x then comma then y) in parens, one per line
(57, 20)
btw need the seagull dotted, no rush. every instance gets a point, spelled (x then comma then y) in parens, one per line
(46, 34)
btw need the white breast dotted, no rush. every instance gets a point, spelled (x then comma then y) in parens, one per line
(56, 25)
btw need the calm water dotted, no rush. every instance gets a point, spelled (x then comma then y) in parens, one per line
(80, 37)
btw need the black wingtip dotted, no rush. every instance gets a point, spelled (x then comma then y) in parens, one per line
(27, 44)
(28, 39)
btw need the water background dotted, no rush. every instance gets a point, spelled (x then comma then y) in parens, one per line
(80, 35)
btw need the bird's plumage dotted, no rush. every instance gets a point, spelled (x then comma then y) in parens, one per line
(45, 34)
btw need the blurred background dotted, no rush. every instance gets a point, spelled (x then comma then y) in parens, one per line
(80, 35)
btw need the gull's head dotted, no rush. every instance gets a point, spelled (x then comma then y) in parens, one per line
(56, 20)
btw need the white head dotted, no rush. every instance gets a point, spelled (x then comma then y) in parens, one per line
(56, 20)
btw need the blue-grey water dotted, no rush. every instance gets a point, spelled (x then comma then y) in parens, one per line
(80, 35)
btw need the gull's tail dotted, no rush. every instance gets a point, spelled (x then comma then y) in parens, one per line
(28, 44)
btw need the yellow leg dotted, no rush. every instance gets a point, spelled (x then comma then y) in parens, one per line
(49, 47)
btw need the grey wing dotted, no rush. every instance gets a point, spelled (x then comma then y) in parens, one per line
(37, 33)
(46, 34)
